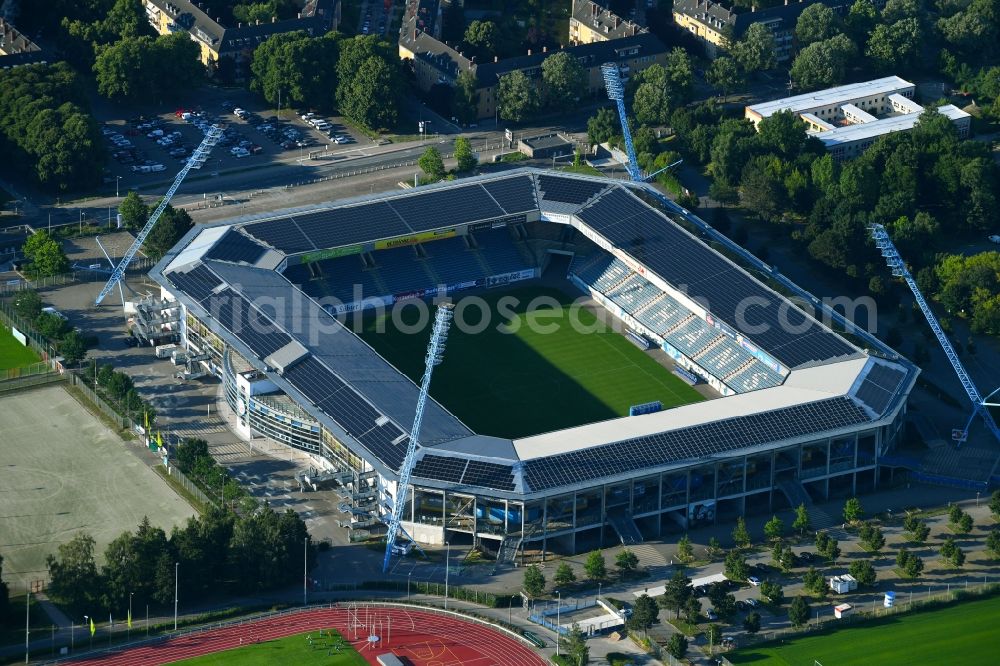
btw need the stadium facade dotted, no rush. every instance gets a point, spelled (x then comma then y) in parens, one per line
(803, 414)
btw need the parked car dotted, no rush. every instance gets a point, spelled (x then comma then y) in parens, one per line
(995, 238)
(753, 580)
(753, 603)
(710, 614)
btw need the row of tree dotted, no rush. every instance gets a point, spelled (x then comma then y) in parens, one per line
(45, 122)
(70, 343)
(194, 460)
(118, 388)
(217, 553)
(360, 76)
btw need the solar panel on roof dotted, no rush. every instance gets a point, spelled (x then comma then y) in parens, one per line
(692, 442)
(568, 190)
(353, 224)
(254, 329)
(489, 475)
(515, 195)
(282, 234)
(235, 247)
(197, 283)
(440, 468)
(879, 387)
(441, 208)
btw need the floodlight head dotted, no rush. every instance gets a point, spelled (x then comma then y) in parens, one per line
(613, 81)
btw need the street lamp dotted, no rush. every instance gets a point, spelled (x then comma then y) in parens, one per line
(177, 566)
(558, 619)
(118, 180)
(129, 624)
(408, 585)
(447, 570)
(86, 623)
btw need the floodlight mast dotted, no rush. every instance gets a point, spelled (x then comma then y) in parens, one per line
(435, 354)
(895, 262)
(197, 158)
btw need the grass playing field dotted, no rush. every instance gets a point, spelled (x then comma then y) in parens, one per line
(532, 380)
(12, 353)
(961, 634)
(289, 650)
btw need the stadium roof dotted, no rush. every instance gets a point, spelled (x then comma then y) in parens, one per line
(226, 275)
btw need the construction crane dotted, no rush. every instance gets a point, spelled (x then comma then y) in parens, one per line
(980, 406)
(197, 158)
(435, 354)
(616, 93)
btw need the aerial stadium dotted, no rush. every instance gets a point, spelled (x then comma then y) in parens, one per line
(715, 396)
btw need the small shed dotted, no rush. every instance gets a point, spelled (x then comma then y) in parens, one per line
(842, 610)
(545, 146)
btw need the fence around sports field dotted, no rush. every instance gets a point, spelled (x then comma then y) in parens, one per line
(918, 598)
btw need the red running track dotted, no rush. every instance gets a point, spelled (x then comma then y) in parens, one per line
(425, 638)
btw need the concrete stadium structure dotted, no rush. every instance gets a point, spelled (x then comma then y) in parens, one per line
(802, 413)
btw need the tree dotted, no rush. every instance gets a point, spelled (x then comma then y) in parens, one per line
(46, 255)
(896, 45)
(432, 164)
(692, 610)
(853, 511)
(993, 543)
(827, 546)
(724, 74)
(133, 211)
(564, 575)
(73, 576)
(774, 529)
(965, 524)
(653, 100)
(575, 645)
(465, 102)
(752, 622)
(144, 68)
(595, 567)
(756, 51)
(644, 613)
(814, 582)
(714, 545)
(910, 564)
(676, 592)
(293, 68)
(73, 348)
(822, 64)
(787, 560)
(798, 611)
(564, 78)
(816, 23)
(464, 155)
(677, 646)
(534, 581)
(626, 561)
(370, 96)
(740, 534)
(762, 186)
(685, 551)
(995, 504)
(772, 592)
(736, 566)
(27, 304)
(172, 225)
(517, 97)
(863, 572)
(482, 38)
(801, 524)
(861, 18)
(602, 126)
(916, 529)
(871, 537)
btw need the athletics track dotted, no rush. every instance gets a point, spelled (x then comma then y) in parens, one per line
(424, 637)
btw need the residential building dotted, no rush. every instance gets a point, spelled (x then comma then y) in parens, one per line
(15, 48)
(436, 62)
(714, 23)
(219, 41)
(849, 118)
(590, 22)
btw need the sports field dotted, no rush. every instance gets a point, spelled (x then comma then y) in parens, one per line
(306, 648)
(558, 368)
(12, 353)
(964, 633)
(63, 472)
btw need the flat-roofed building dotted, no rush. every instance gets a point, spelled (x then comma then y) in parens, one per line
(849, 118)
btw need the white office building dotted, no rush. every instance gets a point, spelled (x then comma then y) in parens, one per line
(849, 118)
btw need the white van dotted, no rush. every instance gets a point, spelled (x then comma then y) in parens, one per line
(402, 548)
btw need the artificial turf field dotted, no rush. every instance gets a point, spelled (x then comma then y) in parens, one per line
(965, 633)
(12, 353)
(288, 650)
(531, 381)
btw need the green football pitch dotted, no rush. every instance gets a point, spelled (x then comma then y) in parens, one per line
(289, 650)
(12, 353)
(964, 633)
(559, 368)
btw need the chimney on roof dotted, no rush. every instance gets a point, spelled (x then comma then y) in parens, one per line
(496, 58)
(593, 9)
(529, 51)
(274, 19)
(616, 21)
(239, 25)
(753, 8)
(300, 14)
(258, 22)
(545, 49)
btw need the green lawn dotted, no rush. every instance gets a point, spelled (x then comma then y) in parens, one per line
(964, 633)
(531, 381)
(12, 353)
(289, 650)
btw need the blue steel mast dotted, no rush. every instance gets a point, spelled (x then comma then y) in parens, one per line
(435, 354)
(898, 267)
(197, 158)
